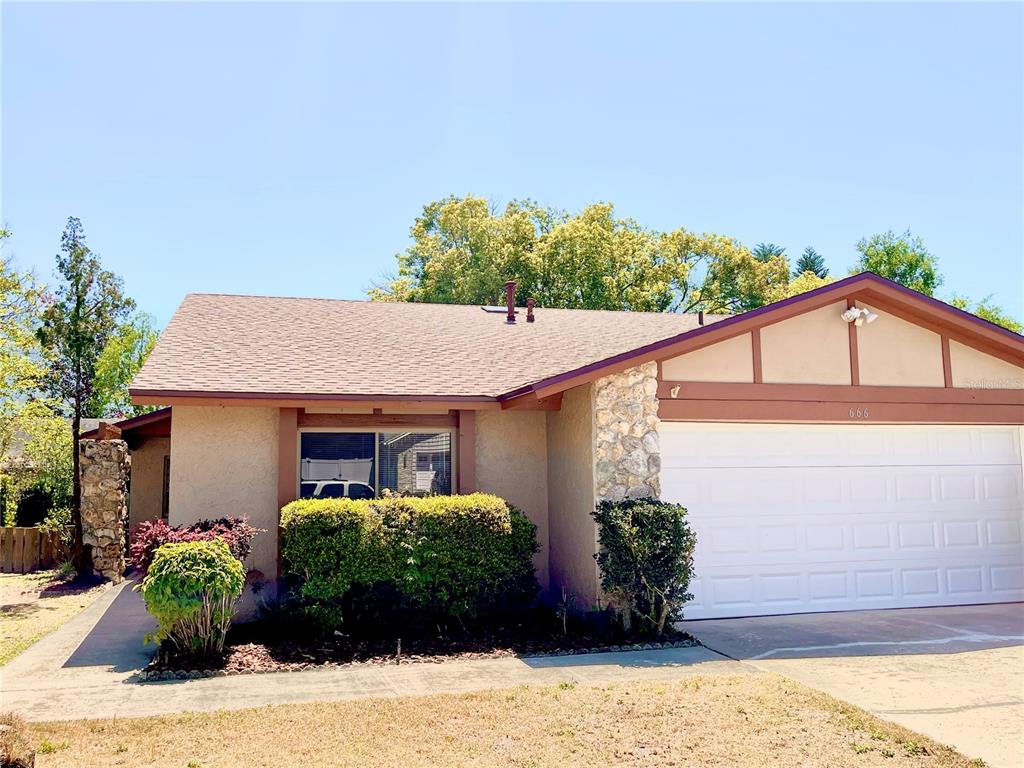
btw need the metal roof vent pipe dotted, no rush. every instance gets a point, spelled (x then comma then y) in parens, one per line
(700, 317)
(510, 301)
(529, 311)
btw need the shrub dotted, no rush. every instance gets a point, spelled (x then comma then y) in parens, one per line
(15, 751)
(152, 534)
(646, 558)
(449, 556)
(191, 589)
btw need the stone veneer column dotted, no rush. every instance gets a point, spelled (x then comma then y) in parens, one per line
(627, 456)
(105, 466)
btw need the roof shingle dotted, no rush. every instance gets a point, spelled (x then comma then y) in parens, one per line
(259, 345)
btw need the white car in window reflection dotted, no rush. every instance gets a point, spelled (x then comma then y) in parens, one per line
(336, 489)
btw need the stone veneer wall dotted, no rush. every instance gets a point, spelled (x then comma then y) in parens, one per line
(105, 467)
(627, 456)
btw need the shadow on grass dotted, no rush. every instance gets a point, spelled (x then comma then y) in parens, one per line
(18, 610)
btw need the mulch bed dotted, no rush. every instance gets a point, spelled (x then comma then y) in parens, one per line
(251, 649)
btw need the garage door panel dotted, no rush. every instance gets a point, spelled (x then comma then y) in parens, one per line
(734, 591)
(734, 445)
(937, 521)
(757, 541)
(854, 490)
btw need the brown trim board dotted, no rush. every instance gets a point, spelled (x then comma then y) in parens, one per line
(755, 347)
(377, 419)
(866, 412)
(466, 447)
(837, 393)
(947, 365)
(854, 353)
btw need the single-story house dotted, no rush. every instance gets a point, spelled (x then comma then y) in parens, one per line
(857, 446)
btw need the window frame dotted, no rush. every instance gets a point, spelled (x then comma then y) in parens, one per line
(453, 433)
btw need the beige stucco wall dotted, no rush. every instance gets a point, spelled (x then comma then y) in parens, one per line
(731, 360)
(147, 484)
(224, 462)
(511, 462)
(812, 348)
(893, 352)
(573, 534)
(977, 370)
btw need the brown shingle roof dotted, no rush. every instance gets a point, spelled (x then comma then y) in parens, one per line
(258, 345)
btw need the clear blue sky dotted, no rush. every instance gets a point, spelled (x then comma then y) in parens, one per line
(286, 149)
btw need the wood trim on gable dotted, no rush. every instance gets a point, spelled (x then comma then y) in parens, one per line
(854, 352)
(861, 412)
(755, 348)
(709, 401)
(947, 364)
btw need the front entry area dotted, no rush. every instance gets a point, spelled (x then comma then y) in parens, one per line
(797, 518)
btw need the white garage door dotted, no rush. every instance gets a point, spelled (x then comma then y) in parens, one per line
(797, 518)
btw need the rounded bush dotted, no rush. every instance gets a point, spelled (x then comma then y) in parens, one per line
(191, 589)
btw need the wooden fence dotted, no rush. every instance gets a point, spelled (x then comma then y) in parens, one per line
(29, 549)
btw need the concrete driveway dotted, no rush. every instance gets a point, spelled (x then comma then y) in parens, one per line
(955, 674)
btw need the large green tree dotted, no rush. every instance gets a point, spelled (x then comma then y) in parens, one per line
(86, 309)
(464, 249)
(122, 357)
(902, 258)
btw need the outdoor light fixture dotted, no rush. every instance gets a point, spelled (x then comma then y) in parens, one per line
(859, 315)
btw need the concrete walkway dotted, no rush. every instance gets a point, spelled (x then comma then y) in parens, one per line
(87, 669)
(955, 674)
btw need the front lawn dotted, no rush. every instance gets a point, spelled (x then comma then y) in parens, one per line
(35, 604)
(723, 721)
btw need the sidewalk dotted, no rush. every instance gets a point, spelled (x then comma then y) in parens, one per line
(86, 669)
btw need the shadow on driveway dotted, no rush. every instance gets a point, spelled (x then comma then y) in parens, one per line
(896, 632)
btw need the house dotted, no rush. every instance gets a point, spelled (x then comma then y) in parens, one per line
(857, 446)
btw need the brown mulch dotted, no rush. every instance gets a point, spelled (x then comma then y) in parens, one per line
(251, 649)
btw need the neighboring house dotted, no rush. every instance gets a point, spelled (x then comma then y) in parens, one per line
(829, 461)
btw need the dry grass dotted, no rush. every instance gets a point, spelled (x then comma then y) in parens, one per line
(35, 604)
(762, 721)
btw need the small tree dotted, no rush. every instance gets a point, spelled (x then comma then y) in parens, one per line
(191, 589)
(646, 558)
(810, 261)
(87, 307)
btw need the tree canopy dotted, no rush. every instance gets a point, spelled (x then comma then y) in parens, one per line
(464, 250)
(121, 358)
(902, 258)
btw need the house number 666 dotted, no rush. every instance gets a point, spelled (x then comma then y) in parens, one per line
(858, 413)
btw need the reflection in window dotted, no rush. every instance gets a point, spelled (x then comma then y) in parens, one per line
(336, 464)
(416, 463)
(356, 464)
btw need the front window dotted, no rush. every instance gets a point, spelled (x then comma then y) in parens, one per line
(360, 465)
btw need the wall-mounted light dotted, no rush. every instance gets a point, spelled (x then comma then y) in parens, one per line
(859, 315)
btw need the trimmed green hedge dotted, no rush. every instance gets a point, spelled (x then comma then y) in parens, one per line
(449, 556)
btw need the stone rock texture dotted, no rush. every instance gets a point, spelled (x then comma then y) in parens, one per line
(106, 465)
(627, 453)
